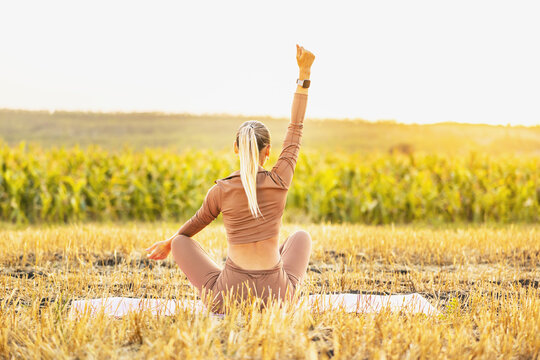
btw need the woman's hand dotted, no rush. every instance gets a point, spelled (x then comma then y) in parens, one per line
(159, 250)
(304, 58)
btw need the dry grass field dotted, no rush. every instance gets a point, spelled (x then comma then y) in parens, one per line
(484, 279)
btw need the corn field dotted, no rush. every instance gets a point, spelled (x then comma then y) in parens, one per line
(72, 184)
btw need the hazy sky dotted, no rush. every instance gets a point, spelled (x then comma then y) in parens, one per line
(410, 61)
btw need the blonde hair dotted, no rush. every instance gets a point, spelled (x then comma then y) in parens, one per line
(251, 137)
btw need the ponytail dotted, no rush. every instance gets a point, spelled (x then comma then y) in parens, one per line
(249, 161)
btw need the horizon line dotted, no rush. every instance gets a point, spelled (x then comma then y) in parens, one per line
(269, 117)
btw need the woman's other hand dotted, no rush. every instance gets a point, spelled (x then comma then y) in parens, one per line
(159, 250)
(304, 58)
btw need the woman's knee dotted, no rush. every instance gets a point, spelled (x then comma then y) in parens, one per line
(303, 236)
(180, 241)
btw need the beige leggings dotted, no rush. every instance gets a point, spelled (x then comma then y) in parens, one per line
(214, 283)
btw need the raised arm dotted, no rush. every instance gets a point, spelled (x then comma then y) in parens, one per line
(288, 157)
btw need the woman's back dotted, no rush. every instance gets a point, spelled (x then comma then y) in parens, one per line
(253, 242)
(228, 196)
(239, 223)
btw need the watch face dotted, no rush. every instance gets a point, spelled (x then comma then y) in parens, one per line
(306, 84)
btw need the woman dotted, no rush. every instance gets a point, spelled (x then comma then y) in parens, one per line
(252, 201)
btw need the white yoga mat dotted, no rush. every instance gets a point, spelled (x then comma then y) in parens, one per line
(358, 303)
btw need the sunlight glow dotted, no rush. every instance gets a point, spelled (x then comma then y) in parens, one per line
(408, 61)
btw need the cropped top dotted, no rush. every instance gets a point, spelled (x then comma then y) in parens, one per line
(227, 195)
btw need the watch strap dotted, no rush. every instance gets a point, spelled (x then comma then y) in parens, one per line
(303, 83)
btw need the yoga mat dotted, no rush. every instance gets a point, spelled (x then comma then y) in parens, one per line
(358, 303)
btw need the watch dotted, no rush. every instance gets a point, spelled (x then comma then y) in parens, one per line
(303, 83)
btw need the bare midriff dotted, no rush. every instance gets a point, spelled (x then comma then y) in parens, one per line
(260, 255)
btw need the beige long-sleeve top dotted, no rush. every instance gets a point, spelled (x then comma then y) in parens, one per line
(228, 196)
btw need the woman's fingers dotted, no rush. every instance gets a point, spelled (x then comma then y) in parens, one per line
(303, 56)
(158, 254)
(152, 251)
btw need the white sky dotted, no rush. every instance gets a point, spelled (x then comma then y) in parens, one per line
(410, 61)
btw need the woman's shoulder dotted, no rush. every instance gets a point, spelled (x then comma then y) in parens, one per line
(230, 176)
(237, 174)
(267, 179)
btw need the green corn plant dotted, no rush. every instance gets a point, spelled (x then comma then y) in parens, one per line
(72, 184)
